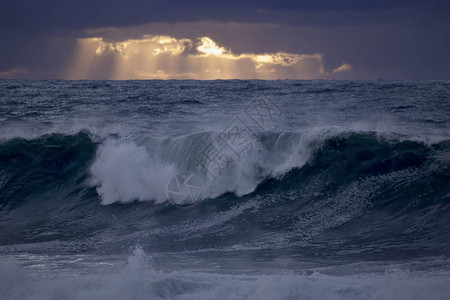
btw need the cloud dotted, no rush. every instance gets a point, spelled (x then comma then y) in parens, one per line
(48, 15)
(163, 57)
(396, 39)
(13, 73)
(342, 68)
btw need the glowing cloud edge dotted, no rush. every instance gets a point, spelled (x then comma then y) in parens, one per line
(166, 57)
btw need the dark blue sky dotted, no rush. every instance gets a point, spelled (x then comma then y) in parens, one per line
(379, 39)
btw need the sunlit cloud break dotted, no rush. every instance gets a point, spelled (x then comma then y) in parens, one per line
(165, 57)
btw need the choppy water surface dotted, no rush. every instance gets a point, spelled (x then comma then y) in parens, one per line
(224, 189)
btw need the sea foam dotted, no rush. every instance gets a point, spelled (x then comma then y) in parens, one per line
(126, 170)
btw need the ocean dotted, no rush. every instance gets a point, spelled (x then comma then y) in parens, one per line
(226, 189)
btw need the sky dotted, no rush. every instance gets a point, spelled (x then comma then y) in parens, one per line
(225, 39)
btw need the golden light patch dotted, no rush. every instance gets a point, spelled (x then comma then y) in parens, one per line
(165, 57)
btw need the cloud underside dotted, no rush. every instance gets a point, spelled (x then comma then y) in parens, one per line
(165, 57)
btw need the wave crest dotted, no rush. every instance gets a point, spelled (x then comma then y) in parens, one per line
(126, 170)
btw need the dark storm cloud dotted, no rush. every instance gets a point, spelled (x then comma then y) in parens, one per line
(390, 39)
(333, 5)
(31, 15)
(190, 47)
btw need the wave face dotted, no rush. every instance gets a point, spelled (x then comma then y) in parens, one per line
(126, 171)
(249, 189)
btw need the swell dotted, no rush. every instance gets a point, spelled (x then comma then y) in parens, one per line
(42, 188)
(284, 189)
(30, 168)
